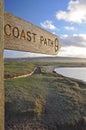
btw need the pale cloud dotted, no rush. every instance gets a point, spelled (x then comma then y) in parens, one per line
(69, 28)
(80, 35)
(53, 32)
(48, 25)
(72, 51)
(76, 12)
(73, 46)
(78, 40)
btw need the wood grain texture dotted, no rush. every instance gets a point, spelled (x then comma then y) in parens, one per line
(1, 66)
(24, 36)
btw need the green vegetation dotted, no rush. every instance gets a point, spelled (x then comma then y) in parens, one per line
(17, 68)
(49, 98)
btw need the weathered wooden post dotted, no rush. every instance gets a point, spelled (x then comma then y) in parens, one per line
(22, 36)
(1, 65)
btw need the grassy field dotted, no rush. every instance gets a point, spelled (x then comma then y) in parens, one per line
(15, 68)
(49, 99)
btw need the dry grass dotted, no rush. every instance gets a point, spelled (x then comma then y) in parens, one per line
(48, 98)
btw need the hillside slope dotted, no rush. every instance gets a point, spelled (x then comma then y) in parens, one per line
(45, 100)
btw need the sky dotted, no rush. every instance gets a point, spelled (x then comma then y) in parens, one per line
(65, 18)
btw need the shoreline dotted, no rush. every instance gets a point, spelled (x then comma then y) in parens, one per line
(52, 69)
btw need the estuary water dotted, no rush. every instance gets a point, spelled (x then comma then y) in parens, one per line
(73, 72)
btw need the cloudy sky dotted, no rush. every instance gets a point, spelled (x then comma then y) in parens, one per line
(65, 18)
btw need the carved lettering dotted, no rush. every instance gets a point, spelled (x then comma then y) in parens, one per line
(45, 41)
(22, 35)
(29, 36)
(56, 45)
(7, 29)
(52, 43)
(41, 39)
(34, 37)
(49, 41)
(15, 32)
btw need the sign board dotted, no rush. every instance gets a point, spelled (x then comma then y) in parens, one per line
(24, 36)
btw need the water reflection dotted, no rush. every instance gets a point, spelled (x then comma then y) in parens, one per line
(73, 72)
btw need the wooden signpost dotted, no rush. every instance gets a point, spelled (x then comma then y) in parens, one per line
(17, 34)
(1, 65)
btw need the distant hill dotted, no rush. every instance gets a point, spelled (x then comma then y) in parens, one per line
(48, 59)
